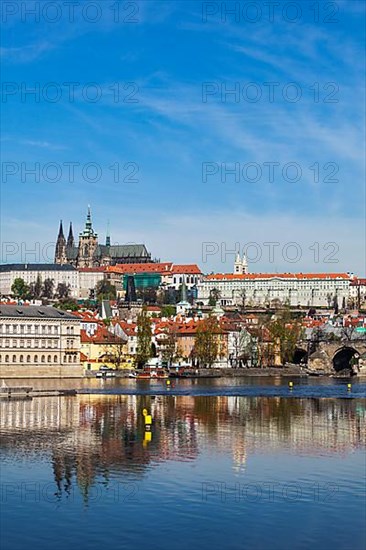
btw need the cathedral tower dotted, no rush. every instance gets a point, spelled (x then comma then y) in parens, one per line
(88, 244)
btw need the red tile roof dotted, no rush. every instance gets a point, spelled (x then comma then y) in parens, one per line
(101, 336)
(140, 268)
(249, 276)
(191, 269)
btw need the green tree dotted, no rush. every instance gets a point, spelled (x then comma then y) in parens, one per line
(63, 291)
(207, 341)
(215, 294)
(285, 332)
(67, 304)
(168, 310)
(19, 288)
(47, 288)
(144, 333)
(105, 290)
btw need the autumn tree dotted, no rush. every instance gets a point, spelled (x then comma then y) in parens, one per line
(144, 333)
(285, 333)
(169, 352)
(207, 341)
(115, 350)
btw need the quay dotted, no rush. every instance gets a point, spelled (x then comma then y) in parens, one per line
(27, 391)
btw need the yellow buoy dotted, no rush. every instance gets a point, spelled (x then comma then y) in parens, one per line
(290, 384)
(349, 386)
(148, 419)
(168, 382)
(144, 412)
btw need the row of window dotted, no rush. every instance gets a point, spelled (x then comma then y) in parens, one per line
(15, 343)
(34, 329)
(188, 280)
(43, 359)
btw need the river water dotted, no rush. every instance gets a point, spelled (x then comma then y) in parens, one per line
(228, 464)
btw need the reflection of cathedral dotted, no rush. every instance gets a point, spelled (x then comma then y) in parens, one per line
(89, 253)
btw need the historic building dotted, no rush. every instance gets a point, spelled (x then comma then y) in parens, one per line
(270, 289)
(89, 253)
(30, 273)
(38, 341)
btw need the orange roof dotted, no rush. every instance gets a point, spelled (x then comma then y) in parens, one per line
(140, 268)
(249, 276)
(191, 269)
(100, 336)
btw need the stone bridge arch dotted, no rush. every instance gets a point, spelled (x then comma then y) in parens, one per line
(342, 359)
(333, 357)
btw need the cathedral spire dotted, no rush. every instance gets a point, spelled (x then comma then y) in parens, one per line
(60, 232)
(70, 238)
(60, 252)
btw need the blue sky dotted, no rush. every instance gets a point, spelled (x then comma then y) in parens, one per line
(164, 56)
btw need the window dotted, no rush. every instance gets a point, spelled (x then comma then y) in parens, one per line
(21, 359)
(21, 329)
(28, 358)
(36, 358)
(7, 328)
(75, 358)
(55, 358)
(44, 329)
(48, 359)
(6, 358)
(70, 358)
(14, 358)
(15, 327)
(43, 358)
(49, 329)
(14, 343)
(28, 343)
(36, 327)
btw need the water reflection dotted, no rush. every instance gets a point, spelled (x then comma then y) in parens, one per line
(94, 437)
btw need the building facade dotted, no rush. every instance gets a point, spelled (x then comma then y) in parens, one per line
(65, 274)
(89, 253)
(39, 336)
(266, 289)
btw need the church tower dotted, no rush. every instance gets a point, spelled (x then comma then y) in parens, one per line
(60, 251)
(88, 244)
(240, 265)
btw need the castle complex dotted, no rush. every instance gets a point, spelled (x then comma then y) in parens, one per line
(89, 253)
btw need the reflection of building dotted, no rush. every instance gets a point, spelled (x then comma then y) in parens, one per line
(38, 336)
(92, 436)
